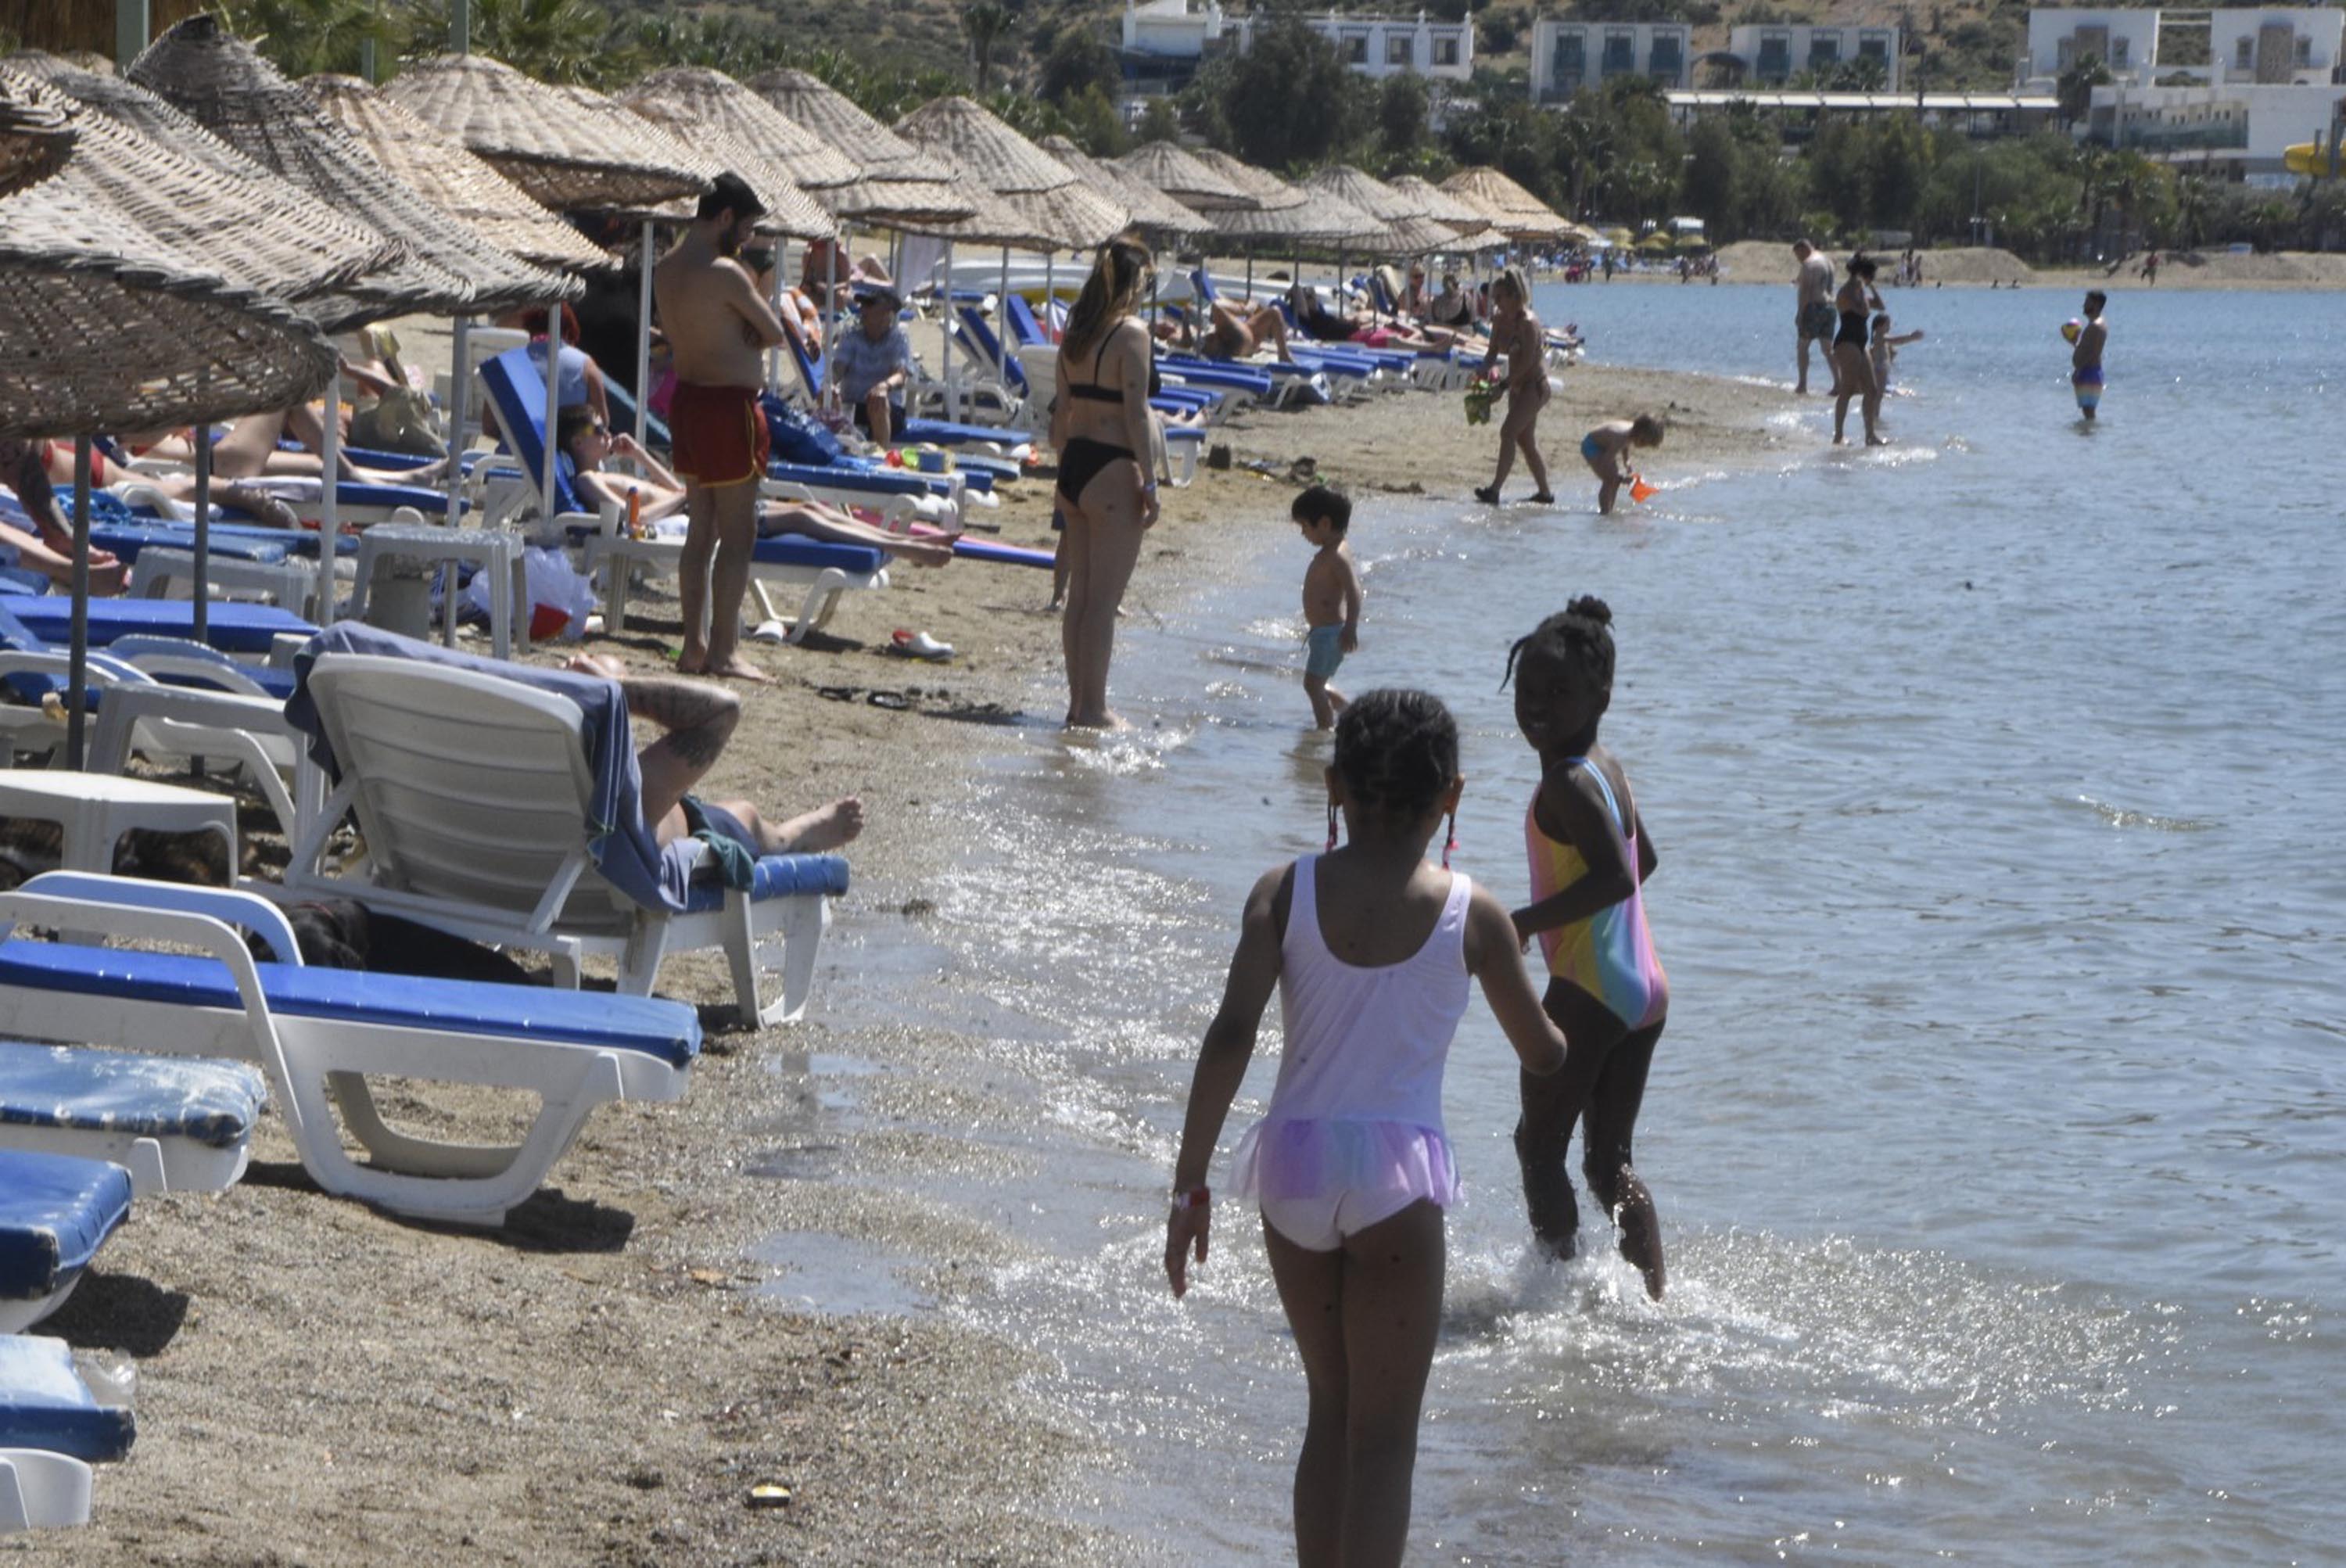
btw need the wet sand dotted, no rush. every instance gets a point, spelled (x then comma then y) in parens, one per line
(603, 1381)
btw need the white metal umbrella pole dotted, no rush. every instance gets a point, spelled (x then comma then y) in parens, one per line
(330, 462)
(460, 386)
(203, 536)
(1002, 320)
(553, 418)
(77, 636)
(644, 336)
(953, 396)
(829, 317)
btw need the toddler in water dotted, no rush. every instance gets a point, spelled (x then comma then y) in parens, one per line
(1885, 348)
(1370, 948)
(1331, 597)
(1589, 854)
(1606, 449)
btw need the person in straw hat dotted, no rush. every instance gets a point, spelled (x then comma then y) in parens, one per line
(718, 328)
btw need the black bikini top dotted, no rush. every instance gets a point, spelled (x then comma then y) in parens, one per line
(1093, 392)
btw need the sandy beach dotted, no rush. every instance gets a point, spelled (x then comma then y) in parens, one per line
(603, 1381)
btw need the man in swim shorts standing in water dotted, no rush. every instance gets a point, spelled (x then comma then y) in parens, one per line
(2086, 358)
(1813, 312)
(717, 326)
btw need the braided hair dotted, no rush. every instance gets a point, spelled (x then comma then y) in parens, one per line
(1580, 636)
(1397, 752)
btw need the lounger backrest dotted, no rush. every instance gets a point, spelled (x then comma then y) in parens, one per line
(1201, 283)
(467, 787)
(811, 369)
(979, 335)
(1018, 321)
(517, 393)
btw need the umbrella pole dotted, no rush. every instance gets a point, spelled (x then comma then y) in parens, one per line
(330, 465)
(1051, 296)
(203, 534)
(1002, 318)
(953, 398)
(644, 335)
(460, 384)
(553, 447)
(77, 639)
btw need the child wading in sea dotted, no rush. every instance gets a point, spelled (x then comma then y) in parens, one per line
(1370, 948)
(1606, 449)
(1331, 597)
(1589, 853)
(1515, 334)
(1884, 349)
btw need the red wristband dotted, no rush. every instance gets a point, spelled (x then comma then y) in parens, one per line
(1193, 1197)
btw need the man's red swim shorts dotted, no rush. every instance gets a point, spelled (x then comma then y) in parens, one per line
(719, 434)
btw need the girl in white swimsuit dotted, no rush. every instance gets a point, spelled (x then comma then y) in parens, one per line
(1370, 948)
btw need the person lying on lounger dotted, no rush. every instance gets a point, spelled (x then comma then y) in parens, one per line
(697, 718)
(1237, 333)
(47, 546)
(587, 441)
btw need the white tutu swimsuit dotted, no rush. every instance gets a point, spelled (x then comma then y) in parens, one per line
(1354, 1134)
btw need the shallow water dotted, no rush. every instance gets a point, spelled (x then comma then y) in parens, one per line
(1997, 1132)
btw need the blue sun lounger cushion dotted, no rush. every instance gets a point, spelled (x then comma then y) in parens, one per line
(177, 1124)
(44, 1405)
(56, 1212)
(232, 628)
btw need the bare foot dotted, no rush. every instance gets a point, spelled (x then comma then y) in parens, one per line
(1877, 441)
(692, 660)
(1110, 722)
(735, 668)
(1641, 1231)
(824, 829)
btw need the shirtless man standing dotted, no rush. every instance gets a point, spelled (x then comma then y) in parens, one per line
(2085, 358)
(719, 328)
(1814, 313)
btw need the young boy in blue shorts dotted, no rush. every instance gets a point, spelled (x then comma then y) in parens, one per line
(1332, 597)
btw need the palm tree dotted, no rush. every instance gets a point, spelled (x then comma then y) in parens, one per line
(552, 40)
(984, 22)
(302, 37)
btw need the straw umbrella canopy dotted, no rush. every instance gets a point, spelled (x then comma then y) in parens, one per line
(240, 97)
(452, 177)
(1439, 205)
(573, 151)
(1057, 208)
(1280, 211)
(695, 95)
(1513, 211)
(1149, 207)
(1163, 166)
(790, 208)
(1407, 231)
(35, 138)
(900, 184)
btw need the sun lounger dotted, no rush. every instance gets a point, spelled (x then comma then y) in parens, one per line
(56, 1212)
(479, 789)
(174, 1124)
(320, 1033)
(51, 1430)
(230, 627)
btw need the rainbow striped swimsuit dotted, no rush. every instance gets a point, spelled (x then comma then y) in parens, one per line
(1610, 955)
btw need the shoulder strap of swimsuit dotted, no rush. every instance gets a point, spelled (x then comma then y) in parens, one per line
(1101, 353)
(1605, 788)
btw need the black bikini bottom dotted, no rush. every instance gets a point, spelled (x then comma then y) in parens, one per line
(1081, 463)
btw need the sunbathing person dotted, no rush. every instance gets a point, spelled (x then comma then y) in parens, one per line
(1236, 333)
(586, 442)
(47, 547)
(697, 718)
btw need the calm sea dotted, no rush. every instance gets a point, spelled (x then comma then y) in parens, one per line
(1998, 1132)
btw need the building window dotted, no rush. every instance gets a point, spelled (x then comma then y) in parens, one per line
(1775, 57)
(1873, 48)
(1620, 54)
(1571, 62)
(1445, 51)
(2304, 52)
(1667, 62)
(1356, 49)
(1401, 49)
(2244, 53)
(1824, 50)
(2118, 46)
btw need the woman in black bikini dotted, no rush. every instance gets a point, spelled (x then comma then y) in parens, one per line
(1107, 492)
(1856, 303)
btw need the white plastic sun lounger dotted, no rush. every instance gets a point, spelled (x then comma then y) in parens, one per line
(175, 1124)
(473, 794)
(51, 1428)
(319, 1033)
(56, 1212)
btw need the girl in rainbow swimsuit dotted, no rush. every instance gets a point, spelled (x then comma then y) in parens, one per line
(1370, 947)
(1589, 855)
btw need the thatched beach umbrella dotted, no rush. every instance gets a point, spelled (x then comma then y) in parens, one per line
(1441, 206)
(34, 141)
(1514, 211)
(1408, 232)
(900, 185)
(1056, 207)
(695, 95)
(1149, 207)
(452, 177)
(106, 325)
(1178, 172)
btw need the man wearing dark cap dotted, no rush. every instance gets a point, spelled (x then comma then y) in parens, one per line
(719, 328)
(875, 362)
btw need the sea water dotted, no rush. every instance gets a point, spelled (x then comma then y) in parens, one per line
(1997, 1132)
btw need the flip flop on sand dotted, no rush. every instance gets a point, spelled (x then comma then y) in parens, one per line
(920, 645)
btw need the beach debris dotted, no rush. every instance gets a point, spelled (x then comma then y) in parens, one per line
(919, 645)
(1219, 456)
(770, 1494)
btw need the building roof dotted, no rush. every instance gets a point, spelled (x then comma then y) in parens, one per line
(1974, 102)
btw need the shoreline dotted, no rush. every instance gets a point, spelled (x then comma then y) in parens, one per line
(606, 1378)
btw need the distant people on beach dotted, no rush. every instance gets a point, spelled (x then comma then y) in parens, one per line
(1883, 350)
(1106, 489)
(719, 328)
(1853, 366)
(1606, 449)
(1812, 311)
(1515, 334)
(1370, 947)
(1332, 597)
(1590, 855)
(2085, 358)
(2150, 268)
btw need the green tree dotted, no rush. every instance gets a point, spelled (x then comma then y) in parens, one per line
(1079, 59)
(983, 23)
(1712, 190)
(1404, 107)
(1290, 101)
(1159, 121)
(553, 40)
(302, 37)
(1095, 123)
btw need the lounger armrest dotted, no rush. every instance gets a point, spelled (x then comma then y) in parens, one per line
(240, 911)
(188, 659)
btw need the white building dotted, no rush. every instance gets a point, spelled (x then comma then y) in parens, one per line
(1772, 56)
(1569, 56)
(1165, 39)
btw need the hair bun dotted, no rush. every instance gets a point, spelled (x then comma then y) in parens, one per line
(1589, 607)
